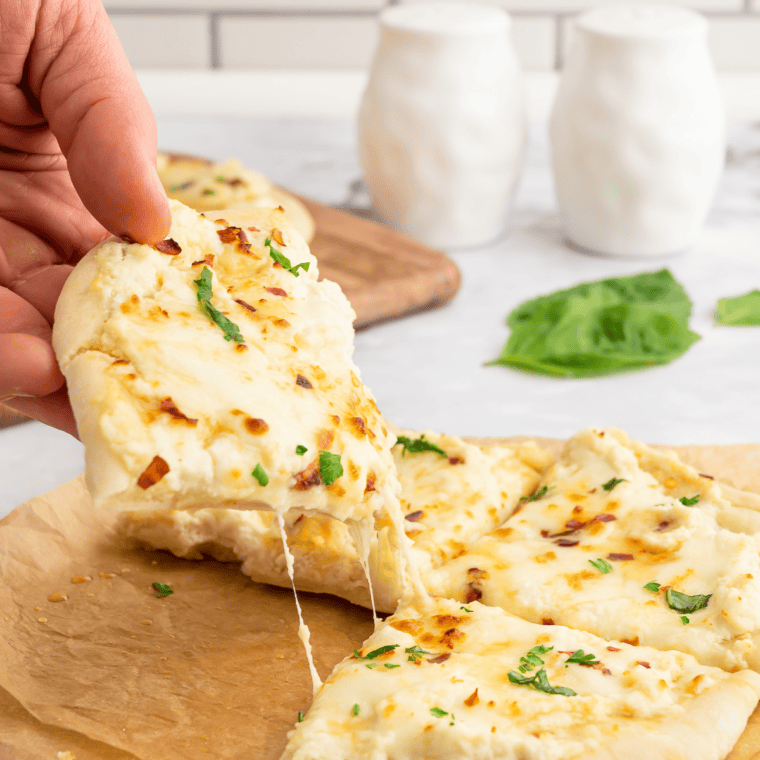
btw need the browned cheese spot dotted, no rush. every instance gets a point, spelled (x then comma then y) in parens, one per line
(370, 482)
(634, 642)
(308, 477)
(358, 426)
(168, 406)
(276, 291)
(452, 636)
(473, 593)
(476, 572)
(255, 426)
(168, 246)
(353, 470)
(407, 626)
(153, 473)
(613, 649)
(120, 361)
(208, 260)
(336, 420)
(303, 382)
(502, 532)
(279, 322)
(547, 621)
(415, 516)
(325, 439)
(277, 236)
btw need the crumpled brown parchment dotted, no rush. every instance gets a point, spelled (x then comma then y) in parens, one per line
(215, 670)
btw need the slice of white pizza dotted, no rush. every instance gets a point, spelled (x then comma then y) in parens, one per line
(627, 543)
(470, 682)
(213, 369)
(453, 492)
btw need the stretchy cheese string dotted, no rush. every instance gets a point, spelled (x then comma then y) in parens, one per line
(303, 630)
(361, 533)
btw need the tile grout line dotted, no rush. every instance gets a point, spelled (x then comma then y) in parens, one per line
(214, 41)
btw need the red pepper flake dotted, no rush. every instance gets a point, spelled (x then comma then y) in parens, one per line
(168, 246)
(359, 426)
(615, 556)
(574, 524)
(544, 534)
(473, 699)
(308, 477)
(709, 477)
(233, 181)
(153, 473)
(566, 542)
(643, 664)
(276, 291)
(256, 426)
(232, 235)
(168, 406)
(208, 260)
(277, 236)
(606, 672)
(604, 517)
(370, 483)
(456, 460)
(245, 305)
(120, 361)
(577, 509)
(613, 649)
(478, 573)
(441, 658)
(547, 621)
(452, 636)
(661, 527)
(304, 382)
(473, 594)
(415, 516)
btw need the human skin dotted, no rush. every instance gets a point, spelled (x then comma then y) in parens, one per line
(77, 163)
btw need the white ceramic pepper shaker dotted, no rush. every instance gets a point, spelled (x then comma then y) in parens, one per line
(442, 124)
(637, 130)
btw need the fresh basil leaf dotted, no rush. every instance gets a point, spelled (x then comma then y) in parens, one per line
(205, 292)
(418, 445)
(438, 712)
(538, 495)
(601, 565)
(612, 482)
(375, 652)
(653, 586)
(260, 475)
(162, 589)
(540, 682)
(330, 468)
(741, 311)
(596, 328)
(280, 258)
(689, 501)
(685, 604)
(582, 659)
(301, 450)
(415, 653)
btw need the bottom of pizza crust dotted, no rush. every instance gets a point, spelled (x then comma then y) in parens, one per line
(473, 682)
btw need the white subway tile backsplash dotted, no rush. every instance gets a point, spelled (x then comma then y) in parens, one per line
(569, 6)
(164, 41)
(735, 43)
(273, 6)
(297, 42)
(534, 41)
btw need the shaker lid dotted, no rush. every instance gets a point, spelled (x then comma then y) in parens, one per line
(654, 22)
(445, 17)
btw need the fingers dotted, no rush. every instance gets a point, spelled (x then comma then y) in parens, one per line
(28, 366)
(53, 410)
(102, 120)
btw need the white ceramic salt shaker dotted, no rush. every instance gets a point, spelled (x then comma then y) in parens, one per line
(442, 124)
(637, 130)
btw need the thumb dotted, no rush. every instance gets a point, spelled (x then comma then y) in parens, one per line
(100, 117)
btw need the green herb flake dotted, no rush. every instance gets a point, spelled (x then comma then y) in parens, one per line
(596, 328)
(684, 620)
(538, 495)
(466, 609)
(685, 604)
(220, 178)
(300, 717)
(371, 665)
(740, 311)
(279, 258)
(533, 658)
(205, 292)
(612, 482)
(260, 475)
(355, 710)
(540, 682)
(689, 501)
(601, 565)
(582, 659)
(653, 586)
(418, 445)
(162, 589)
(375, 652)
(415, 653)
(208, 191)
(183, 186)
(301, 450)
(391, 665)
(330, 468)
(438, 713)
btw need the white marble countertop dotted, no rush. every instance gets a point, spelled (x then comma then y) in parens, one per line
(427, 371)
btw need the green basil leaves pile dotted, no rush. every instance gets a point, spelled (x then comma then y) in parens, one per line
(596, 328)
(740, 310)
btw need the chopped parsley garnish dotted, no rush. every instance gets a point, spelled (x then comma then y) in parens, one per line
(685, 604)
(415, 653)
(375, 652)
(438, 713)
(183, 185)
(330, 468)
(653, 586)
(538, 495)
(279, 258)
(540, 682)
(582, 659)
(689, 501)
(371, 665)
(208, 191)
(532, 659)
(162, 589)
(300, 717)
(390, 665)
(684, 620)
(355, 710)
(466, 609)
(260, 475)
(612, 482)
(418, 445)
(301, 450)
(601, 565)
(205, 293)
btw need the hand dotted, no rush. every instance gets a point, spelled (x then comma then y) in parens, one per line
(77, 161)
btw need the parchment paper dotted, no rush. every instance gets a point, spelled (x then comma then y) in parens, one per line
(213, 671)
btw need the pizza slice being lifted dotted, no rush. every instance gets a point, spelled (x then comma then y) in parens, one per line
(475, 683)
